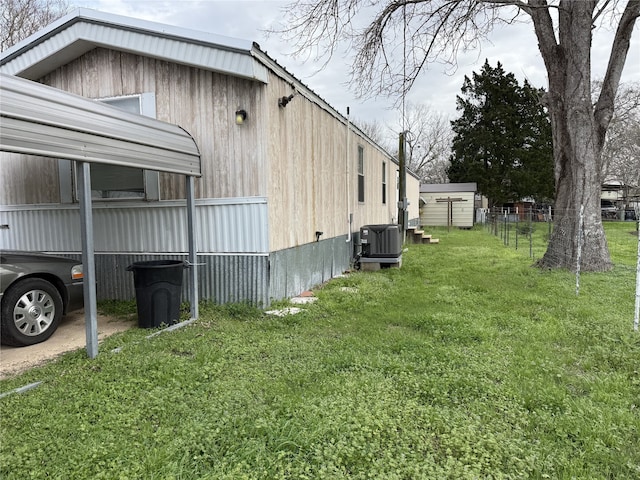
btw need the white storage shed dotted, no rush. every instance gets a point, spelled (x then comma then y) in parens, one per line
(447, 204)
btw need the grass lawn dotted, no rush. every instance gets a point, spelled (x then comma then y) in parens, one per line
(465, 363)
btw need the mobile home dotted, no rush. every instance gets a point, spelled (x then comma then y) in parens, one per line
(286, 178)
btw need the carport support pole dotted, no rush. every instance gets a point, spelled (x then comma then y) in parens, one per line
(88, 263)
(193, 256)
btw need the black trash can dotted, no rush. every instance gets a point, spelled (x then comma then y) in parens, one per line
(158, 286)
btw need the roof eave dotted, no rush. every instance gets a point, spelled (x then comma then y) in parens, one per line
(80, 31)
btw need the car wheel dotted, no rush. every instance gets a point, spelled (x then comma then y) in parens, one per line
(31, 312)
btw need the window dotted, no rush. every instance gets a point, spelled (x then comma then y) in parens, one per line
(384, 183)
(111, 181)
(360, 173)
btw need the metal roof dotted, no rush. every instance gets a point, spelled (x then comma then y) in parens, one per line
(85, 29)
(448, 187)
(41, 120)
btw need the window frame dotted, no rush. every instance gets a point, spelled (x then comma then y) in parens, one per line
(361, 177)
(384, 183)
(150, 178)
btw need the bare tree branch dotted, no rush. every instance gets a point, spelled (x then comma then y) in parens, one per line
(22, 18)
(604, 107)
(601, 10)
(437, 31)
(621, 152)
(428, 142)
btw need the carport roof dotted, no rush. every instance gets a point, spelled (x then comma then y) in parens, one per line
(44, 121)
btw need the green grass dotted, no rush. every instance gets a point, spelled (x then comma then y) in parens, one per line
(465, 363)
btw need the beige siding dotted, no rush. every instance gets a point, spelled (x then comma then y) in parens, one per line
(434, 213)
(201, 102)
(310, 172)
(28, 179)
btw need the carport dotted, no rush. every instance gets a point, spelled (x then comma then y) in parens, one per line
(47, 122)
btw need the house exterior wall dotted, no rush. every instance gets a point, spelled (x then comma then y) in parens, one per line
(224, 226)
(27, 179)
(267, 186)
(232, 239)
(201, 102)
(313, 175)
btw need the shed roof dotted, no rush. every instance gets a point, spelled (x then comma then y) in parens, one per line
(448, 187)
(84, 29)
(41, 120)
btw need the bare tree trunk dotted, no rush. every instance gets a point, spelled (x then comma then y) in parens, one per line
(578, 133)
(577, 151)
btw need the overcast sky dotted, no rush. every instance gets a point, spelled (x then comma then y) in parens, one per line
(514, 46)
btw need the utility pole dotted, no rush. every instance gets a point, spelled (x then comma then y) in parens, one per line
(402, 186)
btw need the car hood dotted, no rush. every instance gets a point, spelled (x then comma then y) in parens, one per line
(16, 264)
(11, 257)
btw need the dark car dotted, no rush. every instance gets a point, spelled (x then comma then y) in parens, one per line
(608, 209)
(36, 290)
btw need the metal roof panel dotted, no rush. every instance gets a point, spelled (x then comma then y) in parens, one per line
(78, 32)
(41, 120)
(448, 187)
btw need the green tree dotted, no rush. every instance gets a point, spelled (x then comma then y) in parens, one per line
(503, 139)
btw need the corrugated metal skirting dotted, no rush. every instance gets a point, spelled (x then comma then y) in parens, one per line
(232, 245)
(236, 226)
(295, 270)
(221, 278)
(256, 279)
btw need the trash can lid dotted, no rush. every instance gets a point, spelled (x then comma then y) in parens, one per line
(156, 264)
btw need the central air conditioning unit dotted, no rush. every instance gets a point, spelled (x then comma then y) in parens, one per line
(380, 243)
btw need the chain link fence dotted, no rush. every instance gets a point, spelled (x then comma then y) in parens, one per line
(525, 230)
(529, 229)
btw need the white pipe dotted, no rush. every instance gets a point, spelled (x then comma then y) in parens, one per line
(347, 182)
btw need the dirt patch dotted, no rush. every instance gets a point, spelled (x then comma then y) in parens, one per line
(70, 335)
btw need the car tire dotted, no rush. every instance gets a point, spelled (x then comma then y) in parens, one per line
(31, 312)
